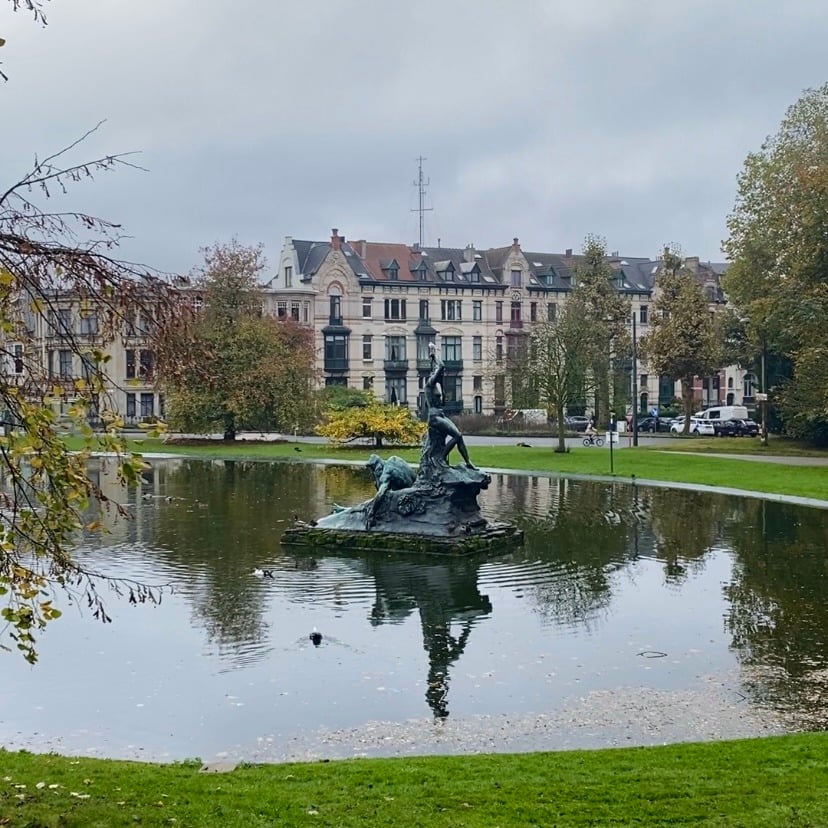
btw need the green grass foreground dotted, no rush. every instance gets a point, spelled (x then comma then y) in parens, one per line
(670, 462)
(774, 782)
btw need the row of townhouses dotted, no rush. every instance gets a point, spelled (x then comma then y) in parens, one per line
(374, 308)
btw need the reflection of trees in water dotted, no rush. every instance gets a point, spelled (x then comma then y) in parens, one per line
(587, 532)
(211, 523)
(583, 543)
(686, 526)
(447, 596)
(778, 595)
(346, 485)
(778, 615)
(226, 518)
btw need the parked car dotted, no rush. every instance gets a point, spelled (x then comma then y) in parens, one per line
(577, 422)
(735, 427)
(746, 428)
(653, 424)
(725, 428)
(697, 427)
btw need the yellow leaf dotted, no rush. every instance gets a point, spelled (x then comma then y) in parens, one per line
(6, 278)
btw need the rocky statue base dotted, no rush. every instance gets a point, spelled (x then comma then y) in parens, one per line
(433, 512)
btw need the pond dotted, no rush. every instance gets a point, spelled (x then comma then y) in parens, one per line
(632, 615)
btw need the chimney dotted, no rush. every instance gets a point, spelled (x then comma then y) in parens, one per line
(336, 239)
(568, 253)
(515, 245)
(468, 253)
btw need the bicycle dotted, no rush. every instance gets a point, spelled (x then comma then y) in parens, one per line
(593, 440)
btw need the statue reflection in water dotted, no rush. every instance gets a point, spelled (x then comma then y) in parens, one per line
(447, 596)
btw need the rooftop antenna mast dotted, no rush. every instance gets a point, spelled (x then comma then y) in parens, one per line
(421, 184)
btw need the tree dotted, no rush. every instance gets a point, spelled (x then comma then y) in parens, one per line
(340, 397)
(255, 372)
(682, 342)
(778, 277)
(606, 318)
(36, 8)
(51, 261)
(559, 360)
(516, 369)
(380, 422)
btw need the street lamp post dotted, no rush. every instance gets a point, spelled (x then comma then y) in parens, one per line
(611, 435)
(763, 397)
(634, 383)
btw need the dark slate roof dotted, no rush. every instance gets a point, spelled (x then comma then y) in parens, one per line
(356, 264)
(310, 255)
(637, 275)
(550, 270)
(438, 257)
(496, 258)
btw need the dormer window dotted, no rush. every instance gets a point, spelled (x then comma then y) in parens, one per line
(448, 273)
(391, 269)
(475, 275)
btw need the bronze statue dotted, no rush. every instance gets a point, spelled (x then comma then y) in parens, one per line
(393, 474)
(440, 426)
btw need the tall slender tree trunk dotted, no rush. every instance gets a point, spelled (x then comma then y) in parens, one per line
(687, 400)
(229, 427)
(561, 449)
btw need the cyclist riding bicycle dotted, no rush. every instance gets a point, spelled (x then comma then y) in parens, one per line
(590, 431)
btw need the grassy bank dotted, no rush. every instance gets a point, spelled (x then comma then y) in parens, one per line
(779, 781)
(670, 462)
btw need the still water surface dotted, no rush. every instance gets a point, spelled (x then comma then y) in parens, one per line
(620, 591)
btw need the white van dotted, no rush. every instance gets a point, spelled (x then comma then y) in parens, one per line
(723, 412)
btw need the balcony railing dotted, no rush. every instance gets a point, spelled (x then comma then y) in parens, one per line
(516, 324)
(336, 364)
(452, 365)
(395, 364)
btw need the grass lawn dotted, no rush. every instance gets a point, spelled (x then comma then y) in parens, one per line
(666, 462)
(774, 782)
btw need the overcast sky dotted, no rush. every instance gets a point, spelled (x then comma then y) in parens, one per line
(542, 119)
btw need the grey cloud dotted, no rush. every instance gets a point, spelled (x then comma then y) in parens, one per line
(544, 120)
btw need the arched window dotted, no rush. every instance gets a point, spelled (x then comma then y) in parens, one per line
(335, 306)
(749, 385)
(478, 404)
